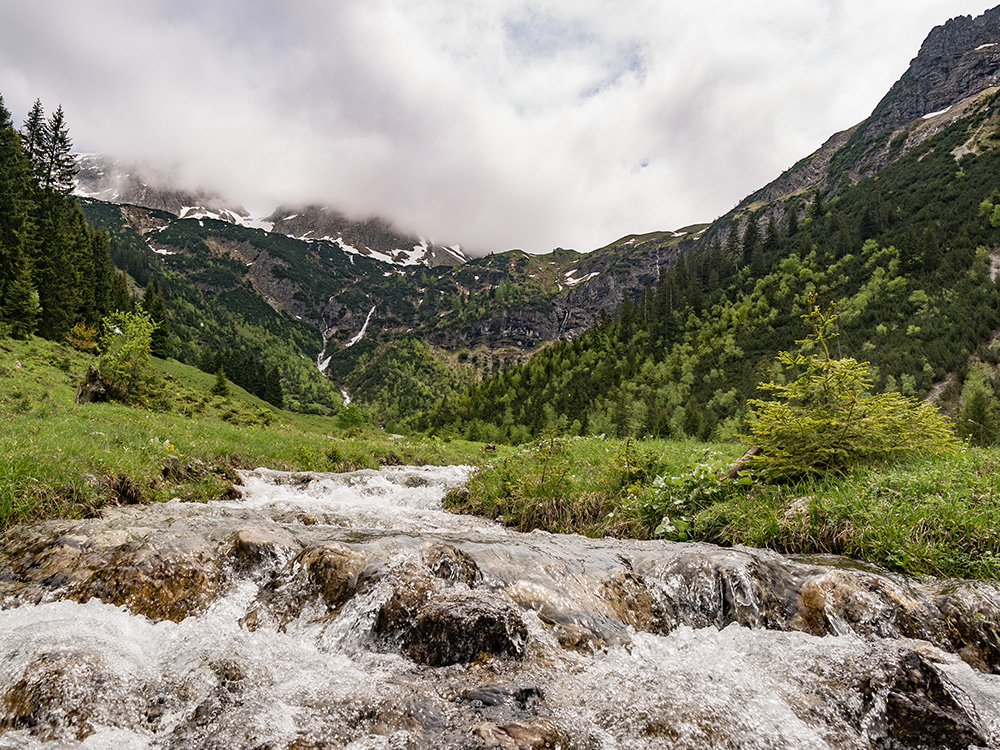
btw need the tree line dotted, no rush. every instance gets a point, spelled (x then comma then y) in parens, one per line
(55, 271)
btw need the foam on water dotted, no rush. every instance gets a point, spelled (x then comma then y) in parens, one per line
(123, 681)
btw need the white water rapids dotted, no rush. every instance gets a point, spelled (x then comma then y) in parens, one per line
(625, 647)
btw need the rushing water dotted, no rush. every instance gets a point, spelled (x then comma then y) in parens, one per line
(242, 635)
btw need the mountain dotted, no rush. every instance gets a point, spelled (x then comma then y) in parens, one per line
(896, 221)
(311, 285)
(956, 71)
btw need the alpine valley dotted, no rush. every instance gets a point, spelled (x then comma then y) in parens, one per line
(895, 220)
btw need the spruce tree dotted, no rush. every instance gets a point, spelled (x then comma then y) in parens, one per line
(59, 166)
(15, 203)
(33, 133)
(21, 308)
(154, 304)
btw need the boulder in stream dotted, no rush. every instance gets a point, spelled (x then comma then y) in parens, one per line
(460, 627)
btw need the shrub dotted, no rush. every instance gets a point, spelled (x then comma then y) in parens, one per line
(125, 360)
(826, 420)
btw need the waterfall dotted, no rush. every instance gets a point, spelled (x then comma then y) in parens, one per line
(361, 333)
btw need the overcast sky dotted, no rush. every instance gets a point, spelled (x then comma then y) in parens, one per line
(489, 123)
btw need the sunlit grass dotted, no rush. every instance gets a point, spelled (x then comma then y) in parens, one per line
(58, 458)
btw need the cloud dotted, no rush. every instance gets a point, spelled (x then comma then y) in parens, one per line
(515, 123)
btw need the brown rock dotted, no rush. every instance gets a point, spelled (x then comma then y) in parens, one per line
(161, 579)
(537, 734)
(458, 628)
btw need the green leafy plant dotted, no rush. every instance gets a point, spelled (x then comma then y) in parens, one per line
(125, 360)
(672, 502)
(827, 420)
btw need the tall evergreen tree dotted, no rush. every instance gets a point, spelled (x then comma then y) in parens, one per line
(33, 132)
(154, 304)
(15, 203)
(59, 166)
(21, 308)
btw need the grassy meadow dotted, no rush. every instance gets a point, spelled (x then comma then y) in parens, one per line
(58, 458)
(935, 516)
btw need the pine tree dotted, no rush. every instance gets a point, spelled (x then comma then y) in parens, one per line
(33, 133)
(15, 202)
(59, 166)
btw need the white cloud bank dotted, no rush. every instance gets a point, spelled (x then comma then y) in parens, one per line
(500, 124)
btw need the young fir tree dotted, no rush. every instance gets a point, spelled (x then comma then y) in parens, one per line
(154, 304)
(221, 386)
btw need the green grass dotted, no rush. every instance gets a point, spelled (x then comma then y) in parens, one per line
(936, 516)
(592, 486)
(58, 458)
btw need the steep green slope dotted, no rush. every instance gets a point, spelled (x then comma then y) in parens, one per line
(905, 255)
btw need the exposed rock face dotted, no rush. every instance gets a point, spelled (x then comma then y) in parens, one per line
(956, 60)
(367, 237)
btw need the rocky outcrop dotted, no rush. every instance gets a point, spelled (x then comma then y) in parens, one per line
(955, 61)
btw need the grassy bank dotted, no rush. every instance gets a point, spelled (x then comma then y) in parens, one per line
(934, 516)
(58, 458)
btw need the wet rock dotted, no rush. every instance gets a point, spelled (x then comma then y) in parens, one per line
(538, 734)
(922, 712)
(705, 587)
(412, 588)
(504, 701)
(632, 602)
(330, 572)
(577, 638)
(451, 564)
(458, 628)
(415, 583)
(162, 579)
(334, 570)
(256, 548)
(54, 697)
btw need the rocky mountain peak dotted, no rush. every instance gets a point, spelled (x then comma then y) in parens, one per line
(957, 60)
(961, 34)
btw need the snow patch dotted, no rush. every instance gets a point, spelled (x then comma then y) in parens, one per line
(931, 115)
(573, 282)
(985, 46)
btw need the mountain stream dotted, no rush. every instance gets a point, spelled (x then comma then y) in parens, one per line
(349, 611)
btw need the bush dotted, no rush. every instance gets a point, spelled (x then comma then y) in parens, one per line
(826, 420)
(125, 360)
